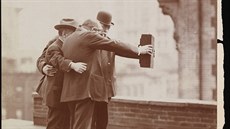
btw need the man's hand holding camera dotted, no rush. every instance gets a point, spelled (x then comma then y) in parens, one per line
(146, 49)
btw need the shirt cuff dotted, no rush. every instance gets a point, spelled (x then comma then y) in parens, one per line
(43, 65)
(139, 52)
(69, 66)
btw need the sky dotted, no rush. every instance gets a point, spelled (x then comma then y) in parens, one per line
(38, 17)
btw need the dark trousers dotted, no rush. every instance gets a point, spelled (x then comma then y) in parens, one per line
(100, 116)
(58, 117)
(81, 113)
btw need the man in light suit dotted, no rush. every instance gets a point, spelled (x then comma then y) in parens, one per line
(81, 91)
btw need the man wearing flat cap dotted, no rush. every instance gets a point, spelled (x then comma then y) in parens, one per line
(58, 114)
(81, 91)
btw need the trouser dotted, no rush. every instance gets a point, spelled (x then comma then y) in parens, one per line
(58, 117)
(81, 113)
(100, 116)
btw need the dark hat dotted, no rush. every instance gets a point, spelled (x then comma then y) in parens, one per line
(105, 18)
(66, 23)
(89, 24)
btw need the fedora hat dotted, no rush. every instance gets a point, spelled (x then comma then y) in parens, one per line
(105, 18)
(66, 23)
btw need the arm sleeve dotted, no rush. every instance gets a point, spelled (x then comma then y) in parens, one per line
(54, 56)
(41, 60)
(97, 41)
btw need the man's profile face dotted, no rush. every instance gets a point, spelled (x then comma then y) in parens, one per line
(67, 31)
(105, 28)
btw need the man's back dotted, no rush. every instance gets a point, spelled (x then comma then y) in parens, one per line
(73, 43)
(91, 82)
(83, 46)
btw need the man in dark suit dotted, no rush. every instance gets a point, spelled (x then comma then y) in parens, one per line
(81, 91)
(58, 114)
(42, 65)
(100, 115)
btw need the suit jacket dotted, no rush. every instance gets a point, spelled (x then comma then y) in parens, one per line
(41, 60)
(40, 64)
(83, 46)
(54, 84)
(108, 63)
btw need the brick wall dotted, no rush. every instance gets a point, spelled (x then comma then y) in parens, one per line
(133, 114)
(40, 110)
(208, 49)
(139, 114)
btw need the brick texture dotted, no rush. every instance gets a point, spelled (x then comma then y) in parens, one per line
(135, 114)
(39, 110)
(161, 115)
(208, 48)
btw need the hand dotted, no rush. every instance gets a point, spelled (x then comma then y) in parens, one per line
(146, 49)
(49, 70)
(79, 67)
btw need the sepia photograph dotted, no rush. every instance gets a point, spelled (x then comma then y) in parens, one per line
(112, 64)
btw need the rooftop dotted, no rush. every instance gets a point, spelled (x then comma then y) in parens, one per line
(19, 124)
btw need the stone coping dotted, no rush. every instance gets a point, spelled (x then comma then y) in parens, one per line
(166, 102)
(159, 102)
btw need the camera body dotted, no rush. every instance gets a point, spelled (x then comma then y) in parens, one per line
(146, 60)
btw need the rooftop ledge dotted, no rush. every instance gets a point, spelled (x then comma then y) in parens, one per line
(159, 102)
(165, 101)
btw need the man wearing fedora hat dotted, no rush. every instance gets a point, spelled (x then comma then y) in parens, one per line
(81, 92)
(58, 114)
